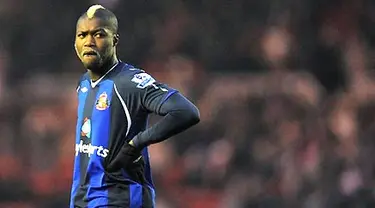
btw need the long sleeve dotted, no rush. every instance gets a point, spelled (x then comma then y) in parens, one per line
(178, 115)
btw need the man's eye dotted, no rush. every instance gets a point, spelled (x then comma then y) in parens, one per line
(80, 36)
(99, 35)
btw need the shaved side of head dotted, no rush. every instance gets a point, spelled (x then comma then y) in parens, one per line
(100, 12)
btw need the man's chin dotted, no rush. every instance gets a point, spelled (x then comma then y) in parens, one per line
(92, 65)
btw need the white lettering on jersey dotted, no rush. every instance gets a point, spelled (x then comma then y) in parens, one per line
(90, 149)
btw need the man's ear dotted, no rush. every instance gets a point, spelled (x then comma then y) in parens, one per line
(116, 39)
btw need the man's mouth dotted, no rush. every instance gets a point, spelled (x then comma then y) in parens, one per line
(90, 53)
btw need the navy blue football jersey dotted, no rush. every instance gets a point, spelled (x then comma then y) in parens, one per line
(111, 111)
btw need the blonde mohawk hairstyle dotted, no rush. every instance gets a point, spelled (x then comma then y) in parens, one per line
(99, 11)
(92, 10)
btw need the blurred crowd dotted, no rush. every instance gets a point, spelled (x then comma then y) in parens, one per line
(286, 91)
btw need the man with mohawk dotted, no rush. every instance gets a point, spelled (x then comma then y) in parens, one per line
(112, 167)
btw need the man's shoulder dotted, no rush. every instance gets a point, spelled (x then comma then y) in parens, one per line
(83, 77)
(81, 82)
(133, 77)
(127, 71)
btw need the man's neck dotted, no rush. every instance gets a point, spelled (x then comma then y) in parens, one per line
(105, 68)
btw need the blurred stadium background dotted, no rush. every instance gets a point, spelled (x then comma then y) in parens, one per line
(286, 90)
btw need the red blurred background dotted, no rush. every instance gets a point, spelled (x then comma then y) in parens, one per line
(285, 89)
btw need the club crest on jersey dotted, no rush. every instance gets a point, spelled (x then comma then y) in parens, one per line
(102, 103)
(143, 80)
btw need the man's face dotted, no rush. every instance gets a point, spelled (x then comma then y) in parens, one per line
(94, 43)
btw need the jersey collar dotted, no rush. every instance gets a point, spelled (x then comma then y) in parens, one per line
(93, 84)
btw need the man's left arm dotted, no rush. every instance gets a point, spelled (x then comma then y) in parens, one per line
(178, 114)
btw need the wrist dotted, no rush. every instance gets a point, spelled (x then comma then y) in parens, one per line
(136, 142)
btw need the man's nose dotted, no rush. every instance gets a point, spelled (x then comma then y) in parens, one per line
(90, 41)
